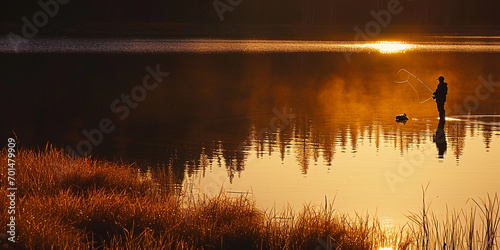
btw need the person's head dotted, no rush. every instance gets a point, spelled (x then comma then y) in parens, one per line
(441, 79)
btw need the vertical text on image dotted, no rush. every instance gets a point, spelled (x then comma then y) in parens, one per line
(11, 189)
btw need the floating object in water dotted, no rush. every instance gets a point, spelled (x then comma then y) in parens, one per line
(402, 118)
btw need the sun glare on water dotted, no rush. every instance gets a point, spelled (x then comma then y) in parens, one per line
(390, 47)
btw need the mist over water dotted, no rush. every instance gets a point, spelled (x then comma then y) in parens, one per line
(288, 127)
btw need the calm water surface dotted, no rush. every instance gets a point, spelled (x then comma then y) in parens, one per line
(290, 122)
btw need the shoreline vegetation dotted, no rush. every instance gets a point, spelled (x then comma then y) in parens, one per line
(66, 203)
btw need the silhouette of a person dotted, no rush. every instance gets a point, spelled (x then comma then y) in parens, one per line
(440, 140)
(440, 96)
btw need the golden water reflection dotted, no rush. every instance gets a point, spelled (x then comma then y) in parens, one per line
(312, 141)
(366, 165)
(390, 47)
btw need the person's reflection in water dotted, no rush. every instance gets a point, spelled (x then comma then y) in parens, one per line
(440, 139)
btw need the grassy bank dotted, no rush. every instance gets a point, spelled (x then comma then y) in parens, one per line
(84, 203)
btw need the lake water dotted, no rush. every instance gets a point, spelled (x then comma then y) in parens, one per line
(290, 122)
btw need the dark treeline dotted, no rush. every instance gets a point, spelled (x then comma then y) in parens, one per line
(418, 13)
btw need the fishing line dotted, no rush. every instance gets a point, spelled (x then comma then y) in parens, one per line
(407, 80)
